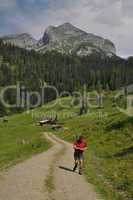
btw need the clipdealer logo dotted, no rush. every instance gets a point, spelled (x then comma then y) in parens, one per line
(127, 95)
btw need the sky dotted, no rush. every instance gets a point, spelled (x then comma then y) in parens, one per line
(111, 19)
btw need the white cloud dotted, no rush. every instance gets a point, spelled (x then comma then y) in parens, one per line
(112, 15)
(7, 4)
(111, 19)
(127, 8)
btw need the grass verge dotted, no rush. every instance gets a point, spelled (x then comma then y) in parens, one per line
(20, 138)
(109, 156)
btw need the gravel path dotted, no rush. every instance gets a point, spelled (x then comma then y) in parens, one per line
(46, 176)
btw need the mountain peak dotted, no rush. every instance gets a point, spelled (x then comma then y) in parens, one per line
(67, 24)
(49, 28)
(23, 40)
(24, 35)
(67, 39)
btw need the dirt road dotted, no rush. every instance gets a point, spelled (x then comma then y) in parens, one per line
(46, 176)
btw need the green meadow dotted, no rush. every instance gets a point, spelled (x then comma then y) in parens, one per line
(108, 163)
(20, 138)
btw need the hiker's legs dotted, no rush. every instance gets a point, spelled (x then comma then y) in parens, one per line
(81, 166)
(75, 165)
(76, 160)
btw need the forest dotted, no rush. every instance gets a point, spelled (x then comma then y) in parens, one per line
(65, 72)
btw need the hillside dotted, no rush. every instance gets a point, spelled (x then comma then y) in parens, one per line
(23, 40)
(66, 39)
(107, 131)
(109, 135)
(66, 73)
(20, 138)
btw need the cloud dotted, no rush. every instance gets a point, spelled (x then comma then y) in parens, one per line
(7, 4)
(108, 18)
(111, 15)
(127, 8)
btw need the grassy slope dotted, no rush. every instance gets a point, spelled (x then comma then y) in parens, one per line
(108, 159)
(19, 128)
(109, 156)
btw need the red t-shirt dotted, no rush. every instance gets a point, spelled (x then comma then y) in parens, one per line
(81, 145)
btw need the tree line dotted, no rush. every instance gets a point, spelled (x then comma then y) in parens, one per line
(65, 72)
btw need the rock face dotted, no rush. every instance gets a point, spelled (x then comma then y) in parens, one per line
(23, 40)
(71, 40)
(66, 39)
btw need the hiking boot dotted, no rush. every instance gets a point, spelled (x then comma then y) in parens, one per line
(80, 172)
(75, 167)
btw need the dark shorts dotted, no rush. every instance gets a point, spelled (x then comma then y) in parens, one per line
(78, 155)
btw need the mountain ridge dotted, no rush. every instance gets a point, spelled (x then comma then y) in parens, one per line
(22, 40)
(65, 38)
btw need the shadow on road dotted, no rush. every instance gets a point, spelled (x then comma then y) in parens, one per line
(66, 168)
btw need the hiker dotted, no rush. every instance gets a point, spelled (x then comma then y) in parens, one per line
(79, 147)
